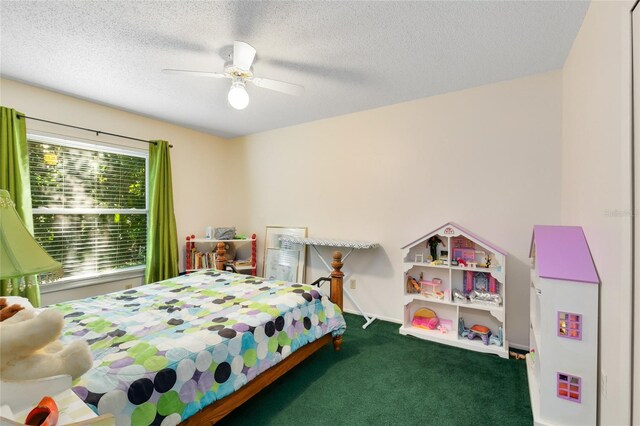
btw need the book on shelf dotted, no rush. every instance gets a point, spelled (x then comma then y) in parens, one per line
(202, 260)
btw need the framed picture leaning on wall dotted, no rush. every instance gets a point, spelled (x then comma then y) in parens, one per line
(281, 264)
(272, 241)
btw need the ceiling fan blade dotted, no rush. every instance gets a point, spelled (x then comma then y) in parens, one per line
(243, 54)
(278, 86)
(195, 73)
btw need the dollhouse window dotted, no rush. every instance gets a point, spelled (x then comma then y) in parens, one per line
(570, 325)
(569, 387)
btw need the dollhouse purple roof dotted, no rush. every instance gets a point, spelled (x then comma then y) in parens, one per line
(464, 231)
(562, 253)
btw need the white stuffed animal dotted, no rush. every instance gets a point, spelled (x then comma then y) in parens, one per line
(30, 349)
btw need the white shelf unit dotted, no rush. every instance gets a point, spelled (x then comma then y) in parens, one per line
(241, 247)
(416, 260)
(563, 331)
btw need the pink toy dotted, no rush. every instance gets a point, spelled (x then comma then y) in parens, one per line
(493, 285)
(468, 255)
(446, 323)
(428, 323)
(430, 288)
(425, 318)
(468, 282)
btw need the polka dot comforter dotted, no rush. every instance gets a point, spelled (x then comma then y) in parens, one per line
(164, 351)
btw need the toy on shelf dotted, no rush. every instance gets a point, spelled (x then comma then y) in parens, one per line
(412, 285)
(459, 296)
(476, 331)
(481, 288)
(445, 326)
(462, 330)
(461, 262)
(485, 298)
(480, 330)
(444, 257)
(466, 254)
(432, 243)
(461, 242)
(425, 318)
(496, 339)
(430, 288)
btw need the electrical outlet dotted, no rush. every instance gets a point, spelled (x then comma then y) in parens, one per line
(352, 284)
(128, 286)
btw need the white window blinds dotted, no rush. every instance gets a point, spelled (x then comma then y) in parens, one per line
(89, 206)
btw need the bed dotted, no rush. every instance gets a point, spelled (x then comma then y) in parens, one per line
(189, 350)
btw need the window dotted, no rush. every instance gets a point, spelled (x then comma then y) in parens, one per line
(570, 325)
(569, 387)
(89, 205)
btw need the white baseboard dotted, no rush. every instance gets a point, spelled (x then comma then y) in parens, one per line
(518, 346)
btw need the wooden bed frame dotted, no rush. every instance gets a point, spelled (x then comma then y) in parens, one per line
(216, 411)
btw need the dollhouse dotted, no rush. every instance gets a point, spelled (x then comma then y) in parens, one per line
(562, 363)
(460, 277)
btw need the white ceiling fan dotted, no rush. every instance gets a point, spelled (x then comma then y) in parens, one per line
(240, 71)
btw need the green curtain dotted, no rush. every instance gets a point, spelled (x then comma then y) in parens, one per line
(14, 177)
(162, 237)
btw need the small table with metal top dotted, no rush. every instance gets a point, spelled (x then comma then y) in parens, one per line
(314, 243)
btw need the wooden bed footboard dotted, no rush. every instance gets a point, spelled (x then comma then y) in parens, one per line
(337, 278)
(221, 259)
(219, 409)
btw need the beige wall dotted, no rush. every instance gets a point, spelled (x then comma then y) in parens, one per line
(596, 182)
(487, 158)
(197, 158)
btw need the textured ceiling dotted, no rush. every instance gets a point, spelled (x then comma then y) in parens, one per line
(350, 56)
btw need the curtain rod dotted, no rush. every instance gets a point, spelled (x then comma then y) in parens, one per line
(97, 132)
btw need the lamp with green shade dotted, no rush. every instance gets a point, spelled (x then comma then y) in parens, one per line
(20, 254)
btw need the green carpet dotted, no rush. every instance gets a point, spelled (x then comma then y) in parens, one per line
(383, 378)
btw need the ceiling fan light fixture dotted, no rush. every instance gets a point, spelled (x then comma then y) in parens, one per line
(239, 69)
(238, 96)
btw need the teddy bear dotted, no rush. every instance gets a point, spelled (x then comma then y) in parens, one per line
(29, 345)
(7, 311)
